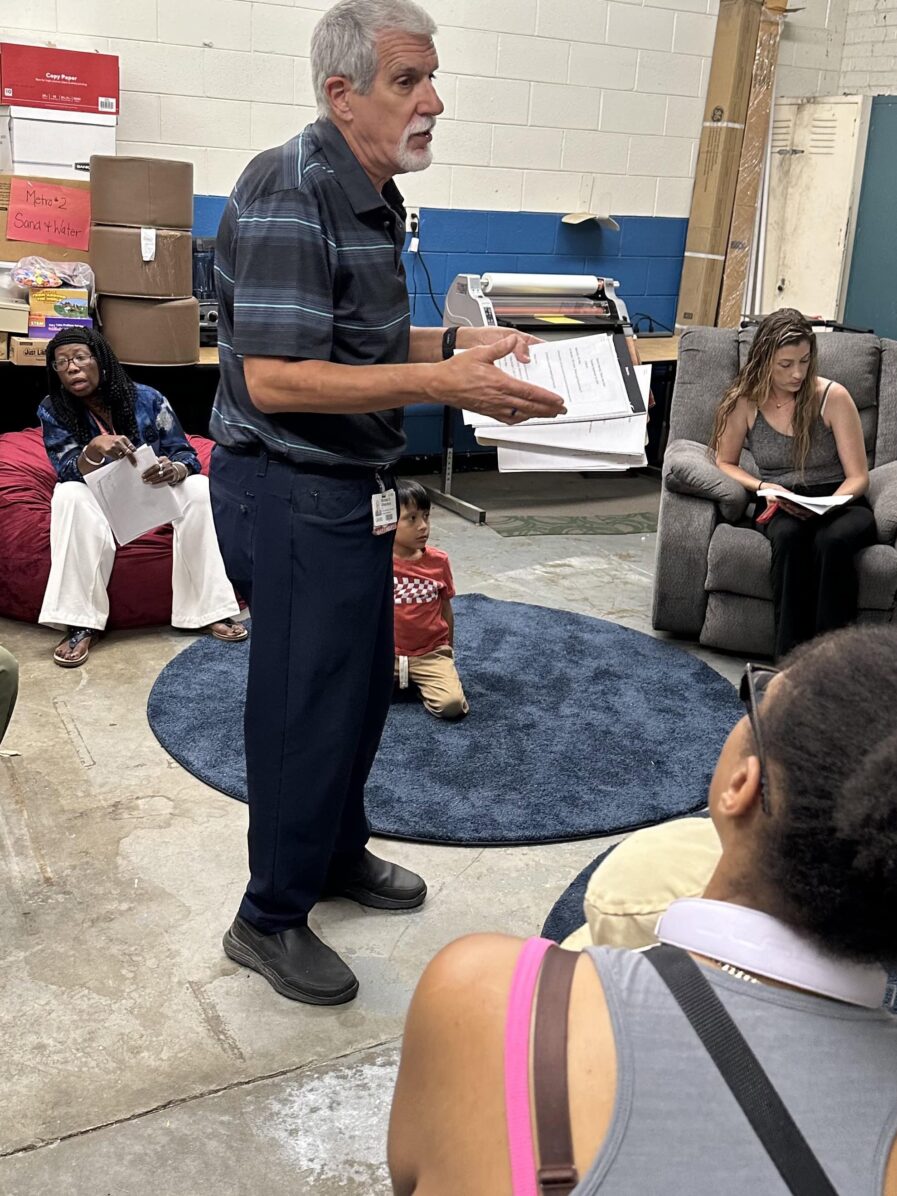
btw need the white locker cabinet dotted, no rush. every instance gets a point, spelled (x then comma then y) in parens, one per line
(817, 151)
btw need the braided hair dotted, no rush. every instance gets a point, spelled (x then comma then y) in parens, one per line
(116, 389)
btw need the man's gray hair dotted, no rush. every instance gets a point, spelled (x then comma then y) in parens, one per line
(344, 41)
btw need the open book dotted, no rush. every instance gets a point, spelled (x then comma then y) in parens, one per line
(818, 506)
(130, 504)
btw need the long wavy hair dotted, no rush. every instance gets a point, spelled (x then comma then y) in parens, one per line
(115, 389)
(754, 381)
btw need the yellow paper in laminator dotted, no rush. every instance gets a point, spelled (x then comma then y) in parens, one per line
(540, 284)
(556, 319)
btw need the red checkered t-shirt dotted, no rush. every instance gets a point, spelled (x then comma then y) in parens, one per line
(419, 588)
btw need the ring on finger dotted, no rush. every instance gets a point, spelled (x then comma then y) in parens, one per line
(513, 412)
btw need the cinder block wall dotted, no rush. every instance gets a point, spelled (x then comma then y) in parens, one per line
(551, 106)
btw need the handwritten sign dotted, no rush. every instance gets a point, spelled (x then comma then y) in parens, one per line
(50, 213)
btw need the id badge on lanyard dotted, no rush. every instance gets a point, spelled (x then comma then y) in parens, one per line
(385, 509)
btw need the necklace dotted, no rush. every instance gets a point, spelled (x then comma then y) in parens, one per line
(783, 402)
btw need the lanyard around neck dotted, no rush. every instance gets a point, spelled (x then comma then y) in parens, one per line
(764, 946)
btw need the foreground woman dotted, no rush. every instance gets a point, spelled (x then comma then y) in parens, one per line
(787, 939)
(92, 415)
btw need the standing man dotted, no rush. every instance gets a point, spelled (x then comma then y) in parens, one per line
(318, 360)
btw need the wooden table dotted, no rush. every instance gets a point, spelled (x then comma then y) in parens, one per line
(658, 350)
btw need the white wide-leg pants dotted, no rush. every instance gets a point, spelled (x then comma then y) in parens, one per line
(82, 552)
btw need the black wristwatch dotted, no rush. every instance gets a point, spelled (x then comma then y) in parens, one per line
(448, 342)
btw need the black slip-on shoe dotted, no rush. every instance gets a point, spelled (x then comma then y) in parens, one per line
(379, 884)
(294, 962)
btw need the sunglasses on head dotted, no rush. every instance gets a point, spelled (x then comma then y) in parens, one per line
(754, 684)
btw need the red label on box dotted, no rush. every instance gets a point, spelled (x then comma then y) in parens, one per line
(48, 212)
(41, 77)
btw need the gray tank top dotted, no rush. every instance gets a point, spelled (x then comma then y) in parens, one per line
(676, 1127)
(771, 451)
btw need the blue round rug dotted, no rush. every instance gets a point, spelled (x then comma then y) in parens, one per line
(578, 728)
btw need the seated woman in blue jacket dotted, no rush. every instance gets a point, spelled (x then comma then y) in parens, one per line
(94, 414)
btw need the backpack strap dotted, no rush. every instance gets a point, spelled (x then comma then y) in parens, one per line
(557, 1174)
(518, 1031)
(739, 1067)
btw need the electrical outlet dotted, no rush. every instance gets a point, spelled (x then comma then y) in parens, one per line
(412, 221)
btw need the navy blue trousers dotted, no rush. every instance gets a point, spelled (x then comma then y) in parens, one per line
(299, 546)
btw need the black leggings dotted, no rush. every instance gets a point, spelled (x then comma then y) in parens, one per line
(814, 579)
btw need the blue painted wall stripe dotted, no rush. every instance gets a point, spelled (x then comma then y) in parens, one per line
(645, 255)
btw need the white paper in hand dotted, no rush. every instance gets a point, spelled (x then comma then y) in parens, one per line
(818, 505)
(584, 371)
(131, 505)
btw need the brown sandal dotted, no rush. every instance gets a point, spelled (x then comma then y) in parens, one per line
(76, 636)
(227, 639)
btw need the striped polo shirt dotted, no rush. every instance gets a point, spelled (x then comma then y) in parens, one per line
(308, 265)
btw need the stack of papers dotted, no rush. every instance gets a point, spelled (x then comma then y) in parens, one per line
(131, 505)
(818, 506)
(600, 430)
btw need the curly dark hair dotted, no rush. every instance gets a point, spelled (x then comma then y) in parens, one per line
(412, 494)
(828, 853)
(116, 389)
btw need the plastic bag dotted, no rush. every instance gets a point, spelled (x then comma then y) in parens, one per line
(35, 273)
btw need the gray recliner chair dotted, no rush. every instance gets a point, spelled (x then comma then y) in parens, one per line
(712, 578)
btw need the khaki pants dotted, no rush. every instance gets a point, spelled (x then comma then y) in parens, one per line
(437, 679)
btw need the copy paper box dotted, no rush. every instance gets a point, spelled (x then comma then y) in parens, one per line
(23, 351)
(45, 142)
(142, 262)
(151, 331)
(150, 192)
(44, 77)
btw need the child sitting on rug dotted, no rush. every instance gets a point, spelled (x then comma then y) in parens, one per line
(424, 625)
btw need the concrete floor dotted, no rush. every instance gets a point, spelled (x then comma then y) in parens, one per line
(135, 1057)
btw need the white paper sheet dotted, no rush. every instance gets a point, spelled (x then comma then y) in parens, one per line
(584, 371)
(625, 436)
(817, 505)
(600, 445)
(522, 460)
(131, 506)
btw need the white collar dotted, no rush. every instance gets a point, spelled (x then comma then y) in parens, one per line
(758, 943)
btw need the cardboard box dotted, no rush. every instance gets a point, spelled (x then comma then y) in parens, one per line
(142, 192)
(52, 309)
(14, 251)
(4, 346)
(142, 262)
(750, 173)
(45, 77)
(11, 312)
(53, 144)
(151, 331)
(23, 351)
(719, 154)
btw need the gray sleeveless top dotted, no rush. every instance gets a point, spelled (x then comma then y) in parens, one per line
(771, 451)
(676, 1128)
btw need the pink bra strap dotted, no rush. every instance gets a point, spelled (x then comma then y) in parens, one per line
(517, 1087)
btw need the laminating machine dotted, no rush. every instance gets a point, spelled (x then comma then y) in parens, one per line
(550, 306)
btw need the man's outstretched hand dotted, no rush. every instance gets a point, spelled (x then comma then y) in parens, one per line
(472, 381)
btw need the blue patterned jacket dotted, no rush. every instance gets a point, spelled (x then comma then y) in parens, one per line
(157, 426)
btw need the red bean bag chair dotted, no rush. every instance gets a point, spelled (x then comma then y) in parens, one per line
(140, 586)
